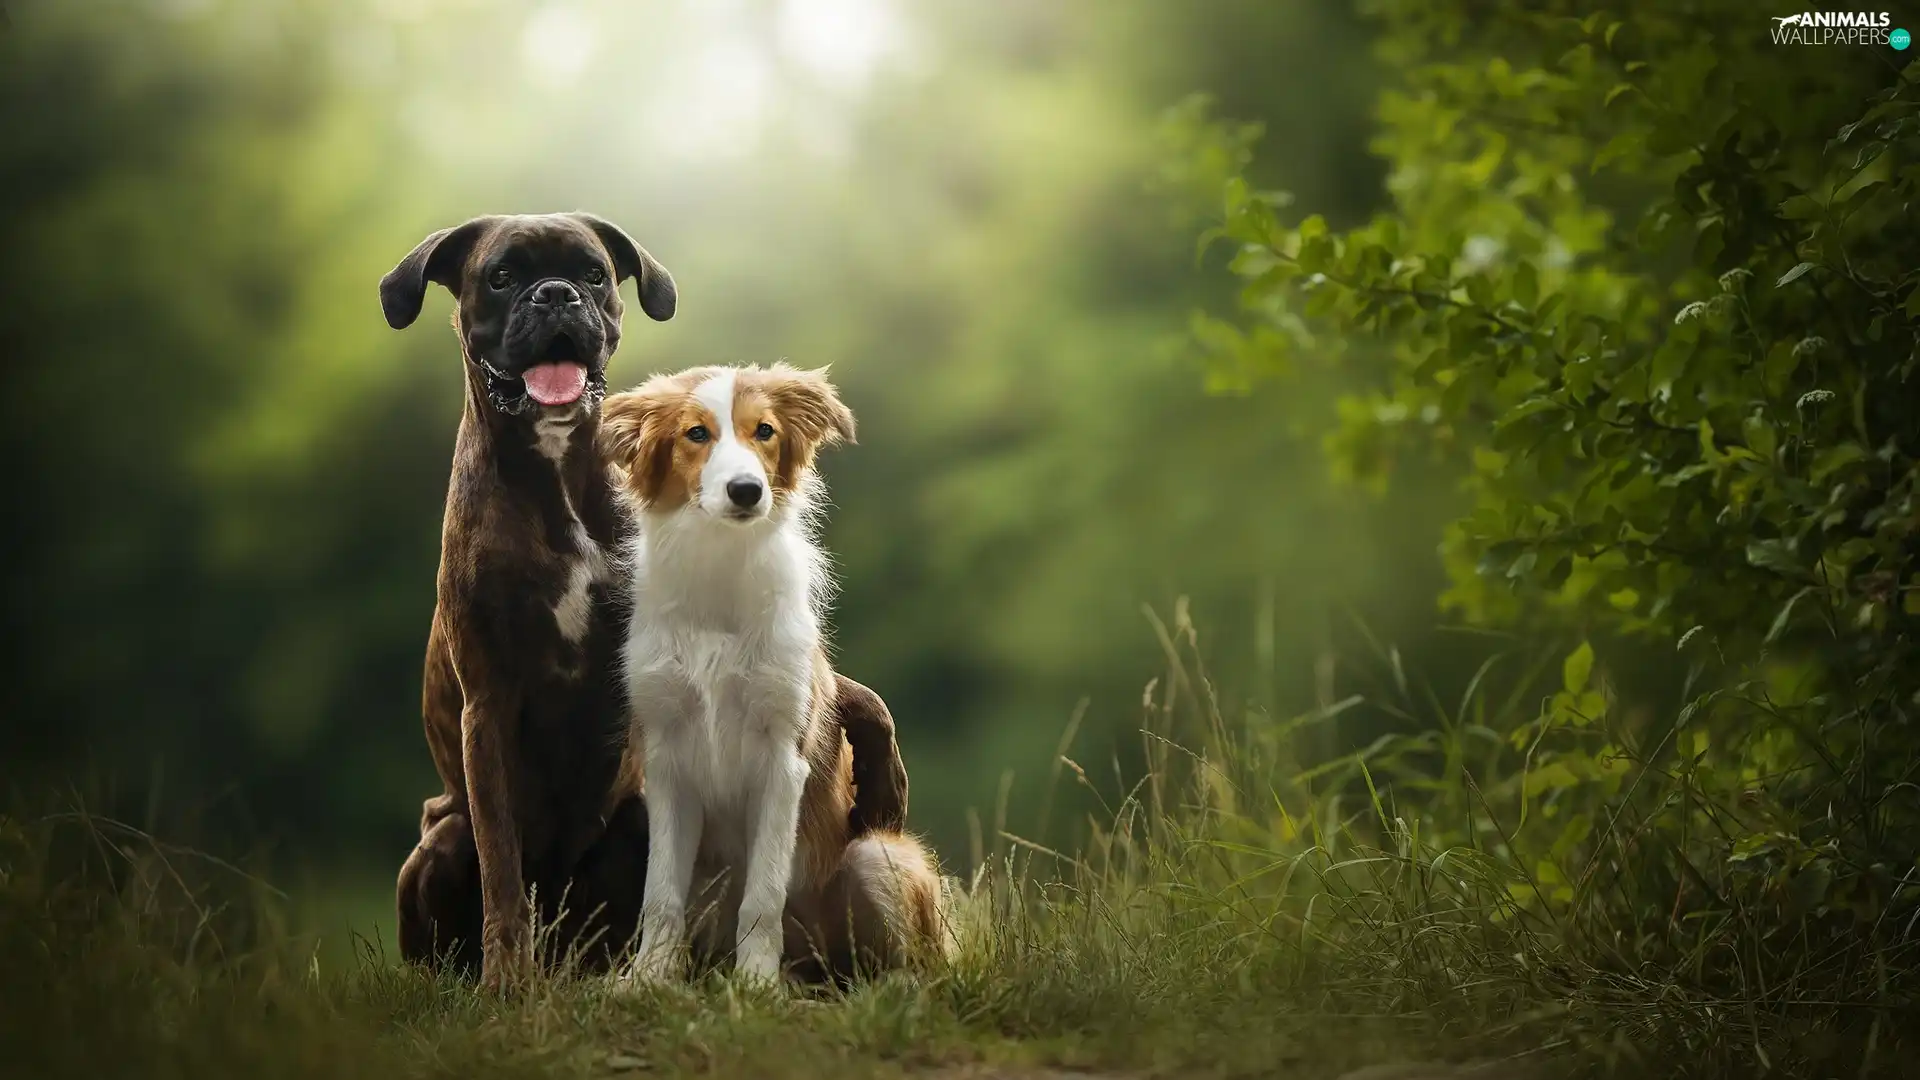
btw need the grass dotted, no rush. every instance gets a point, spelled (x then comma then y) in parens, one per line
(1232, 914)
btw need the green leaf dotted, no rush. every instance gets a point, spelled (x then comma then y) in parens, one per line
(1236, 195)
(1480, 291)
(1526, 284)
(1498, 557)
(1836, 458)
(1669, 361)
(1619, 91)
(1762, 435)
(1529, 407)
(1708, 451)
(1558, 574)
(1205, 241)
(1799, 271)
(1523, 565)
(1778, 368)
(1800, 208)
(1618, 147)
(1710, 243)
(1554, 776)
(1775, 555)
(1785, 616)
(1578, 668)
(1578, 379)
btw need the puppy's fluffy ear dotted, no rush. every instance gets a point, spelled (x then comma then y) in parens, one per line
(636, 434)
(810, 404)
(655, 286)
(437, 259)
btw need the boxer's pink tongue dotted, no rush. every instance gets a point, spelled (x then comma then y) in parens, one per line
(555, 384)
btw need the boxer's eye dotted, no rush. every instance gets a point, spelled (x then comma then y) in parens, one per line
(596, 276)
(698, 433)
(501, 277)
(763, 432)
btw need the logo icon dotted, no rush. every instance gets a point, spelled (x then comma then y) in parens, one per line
(1791, 20)
(1899, 39)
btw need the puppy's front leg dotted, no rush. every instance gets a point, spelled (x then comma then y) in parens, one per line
(774, 822)
(674, 819)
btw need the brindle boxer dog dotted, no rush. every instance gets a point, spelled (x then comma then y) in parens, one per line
(523, 703)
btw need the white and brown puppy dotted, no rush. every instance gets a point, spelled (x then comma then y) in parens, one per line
(747, 779)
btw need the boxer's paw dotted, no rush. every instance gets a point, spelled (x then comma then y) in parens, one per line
(506, 960)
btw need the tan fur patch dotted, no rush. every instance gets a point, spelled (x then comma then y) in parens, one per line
(805, 412)
(828, 794)
(643, 432)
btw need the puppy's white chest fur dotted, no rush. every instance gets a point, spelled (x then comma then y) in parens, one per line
(720, 661)
(721, 717)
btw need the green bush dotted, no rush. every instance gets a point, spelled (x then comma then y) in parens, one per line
(1647, 284)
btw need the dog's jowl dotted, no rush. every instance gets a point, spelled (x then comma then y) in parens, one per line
(522, 704)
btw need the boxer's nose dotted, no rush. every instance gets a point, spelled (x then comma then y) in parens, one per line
(555, 293)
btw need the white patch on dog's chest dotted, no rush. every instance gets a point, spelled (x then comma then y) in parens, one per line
(574, 609)
(552, 435)
(587, 567)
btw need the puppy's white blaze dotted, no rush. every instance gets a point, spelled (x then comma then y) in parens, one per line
(729, 459)
(715, 394)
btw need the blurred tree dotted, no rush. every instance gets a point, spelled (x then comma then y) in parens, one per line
(222, 559)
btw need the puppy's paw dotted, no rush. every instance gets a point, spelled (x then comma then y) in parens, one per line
(758, 963)
(651, 967)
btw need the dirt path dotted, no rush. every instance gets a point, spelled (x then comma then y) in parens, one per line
(1495, 1070)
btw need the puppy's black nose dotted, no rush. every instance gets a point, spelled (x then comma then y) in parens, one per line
(744, 493)
(555, 293)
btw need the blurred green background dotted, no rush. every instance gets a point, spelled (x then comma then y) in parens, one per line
(228, 472)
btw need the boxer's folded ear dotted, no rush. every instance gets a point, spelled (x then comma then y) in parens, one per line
(630, 260)
(438, 259)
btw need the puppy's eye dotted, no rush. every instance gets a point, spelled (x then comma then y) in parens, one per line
(501, 277)
(698, 433)
(596, 276)
(763, 432)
